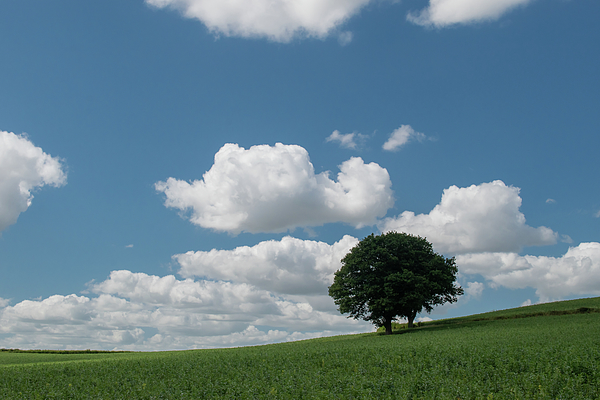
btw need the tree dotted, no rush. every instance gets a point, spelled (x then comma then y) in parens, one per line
(393, 275)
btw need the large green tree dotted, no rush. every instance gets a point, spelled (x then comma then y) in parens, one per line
(393, 275)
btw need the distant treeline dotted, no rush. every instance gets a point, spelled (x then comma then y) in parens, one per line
(61, 351)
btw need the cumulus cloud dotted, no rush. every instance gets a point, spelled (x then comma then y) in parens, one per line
(442, 13)
(146, 312)
(478, 218)
(348, 140)
(276, 20)
(23, 169)
(401, 136)
(274, 188)
(575, 273)
(289, 266)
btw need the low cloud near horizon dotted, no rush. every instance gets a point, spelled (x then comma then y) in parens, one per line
(233, 306)
(577, 272)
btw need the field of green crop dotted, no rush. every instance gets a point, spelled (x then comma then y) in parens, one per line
(540, 357)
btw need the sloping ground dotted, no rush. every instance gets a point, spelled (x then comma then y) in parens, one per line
(543, 357)
(579, 306)
(567, 307)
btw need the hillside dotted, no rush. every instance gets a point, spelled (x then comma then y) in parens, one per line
(498, 355)
(567, 307)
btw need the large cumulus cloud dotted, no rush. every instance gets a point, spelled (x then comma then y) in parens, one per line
(577, 272)
(441, 13)
(277, 20)
(478, 218)
(23, 168)
(274, 188)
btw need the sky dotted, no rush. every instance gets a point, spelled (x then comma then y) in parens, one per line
(179, 174)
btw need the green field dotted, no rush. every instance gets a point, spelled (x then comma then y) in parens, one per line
(500, 355)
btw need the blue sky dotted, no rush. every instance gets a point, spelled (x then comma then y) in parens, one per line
(187, 173)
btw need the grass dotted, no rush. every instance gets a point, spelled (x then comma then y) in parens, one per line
(578, 306)
(500, 356)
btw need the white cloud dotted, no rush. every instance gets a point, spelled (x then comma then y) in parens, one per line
(273, 189)
(348, 140)
(54, 310)
(401, 136)
(290, 266)
(276, 20)
(68, 322)
(575, 273)
(442, 13)
(474, 289)
(23, 168)
(131, 307)
(479, 218)
(550, 201)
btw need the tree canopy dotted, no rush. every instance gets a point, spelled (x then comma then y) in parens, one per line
(393, 275)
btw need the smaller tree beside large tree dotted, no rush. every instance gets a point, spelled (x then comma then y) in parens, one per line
(393, 275)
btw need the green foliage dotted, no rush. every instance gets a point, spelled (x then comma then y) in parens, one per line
(551, 357)
(393, 275)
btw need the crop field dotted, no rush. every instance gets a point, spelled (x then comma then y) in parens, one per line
(553, 355)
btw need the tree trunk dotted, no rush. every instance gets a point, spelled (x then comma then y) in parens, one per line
(411, 319)
(388, 326)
